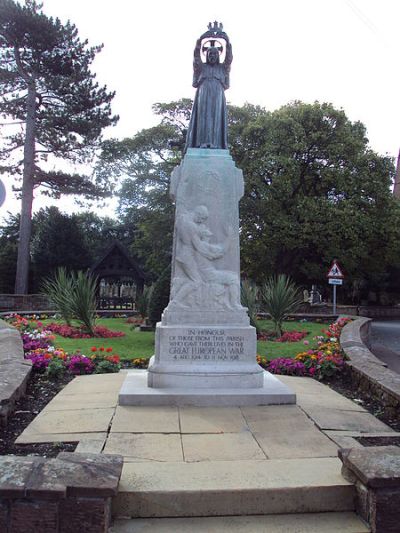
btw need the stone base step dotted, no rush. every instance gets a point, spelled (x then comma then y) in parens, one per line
(135, 391)
(224, 488)
(293, 523)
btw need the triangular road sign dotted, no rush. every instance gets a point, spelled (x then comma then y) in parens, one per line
(335, 271)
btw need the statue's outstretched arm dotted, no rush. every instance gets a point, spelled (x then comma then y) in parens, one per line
(196, 63)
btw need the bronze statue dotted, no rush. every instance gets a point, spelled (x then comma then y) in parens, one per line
(208, 122)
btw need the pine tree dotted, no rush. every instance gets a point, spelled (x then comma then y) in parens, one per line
(47, 87)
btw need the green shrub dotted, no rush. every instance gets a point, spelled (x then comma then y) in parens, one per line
(280, 297)
(75, 296)
(55, 369)
(143, 300)
(83, 300)
(59, 289)
(107, 367)
(249, 297)
(160, 296)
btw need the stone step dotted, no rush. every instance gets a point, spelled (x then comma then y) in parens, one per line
(224, 488)
(288, 523)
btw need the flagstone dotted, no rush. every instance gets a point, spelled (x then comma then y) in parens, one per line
(338, 419)
(137, 419)
(221, 447)
(211, 420)
(71, 421)
(138, 447)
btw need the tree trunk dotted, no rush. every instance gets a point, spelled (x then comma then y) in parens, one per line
(21, 278)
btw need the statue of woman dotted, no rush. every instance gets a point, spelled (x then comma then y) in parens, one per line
(208, 122)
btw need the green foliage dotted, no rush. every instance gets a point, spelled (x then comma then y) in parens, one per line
(160, 296)
(47, 88)
(75, 297)
(83, 300)
(144, 163)
(8, 253)
(249, 296)
(280, 298)
(60, 289)
(56, 369)
(143, 300)
(58, 240)
(314, 191)
(107, 367)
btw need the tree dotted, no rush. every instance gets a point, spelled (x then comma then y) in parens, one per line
(315, 191)
(144, 164)
(47, 87)
(58, 241)
(8, 253)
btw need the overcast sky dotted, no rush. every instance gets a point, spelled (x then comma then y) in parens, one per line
(339, 51)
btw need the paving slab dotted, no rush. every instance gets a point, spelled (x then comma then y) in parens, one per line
(295, 523)
(335, 419)
(303, 385)
(137, 419)
(307, 442)
(90, 445)
(32, 438)
(267, 418)
(91, 400)
(72, 421)
(151, 489)
(211, 420)
(329, 400)
(95, 383)
(221, 447)
(346, 442)
(139, 447)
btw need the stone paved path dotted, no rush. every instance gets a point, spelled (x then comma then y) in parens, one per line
(87, 412)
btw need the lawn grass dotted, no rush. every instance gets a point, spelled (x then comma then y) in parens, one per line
(141, 343)
(134, 344)
(272, 350)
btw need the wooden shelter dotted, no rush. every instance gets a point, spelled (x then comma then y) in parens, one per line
(120, 279)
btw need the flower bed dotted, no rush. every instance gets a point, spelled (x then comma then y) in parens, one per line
(38, 347)
(79, 333)
(322, 362)
(292, 336)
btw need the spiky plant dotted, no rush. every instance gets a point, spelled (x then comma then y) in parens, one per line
(249, 295)
(281, 297)
(142, 301)
(58, 289)
(83, 300)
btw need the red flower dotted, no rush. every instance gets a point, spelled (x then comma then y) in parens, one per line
(101, 348)
(93, 349)
(109, 349)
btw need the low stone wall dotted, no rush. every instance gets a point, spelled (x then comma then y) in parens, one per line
(25, 302)
(68, 494)
(14, 370)
(368, 373)
(375, 472)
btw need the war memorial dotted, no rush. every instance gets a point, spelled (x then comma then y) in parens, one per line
(205, 347)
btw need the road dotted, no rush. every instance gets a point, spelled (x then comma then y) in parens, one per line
(384, 340)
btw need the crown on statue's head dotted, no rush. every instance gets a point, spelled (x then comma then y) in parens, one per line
(215, 27)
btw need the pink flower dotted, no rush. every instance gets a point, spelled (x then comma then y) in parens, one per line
(306, 343)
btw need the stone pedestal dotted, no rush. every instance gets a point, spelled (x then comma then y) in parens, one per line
(204, 341)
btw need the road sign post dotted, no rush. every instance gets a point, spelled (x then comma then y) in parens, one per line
(335, 277)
